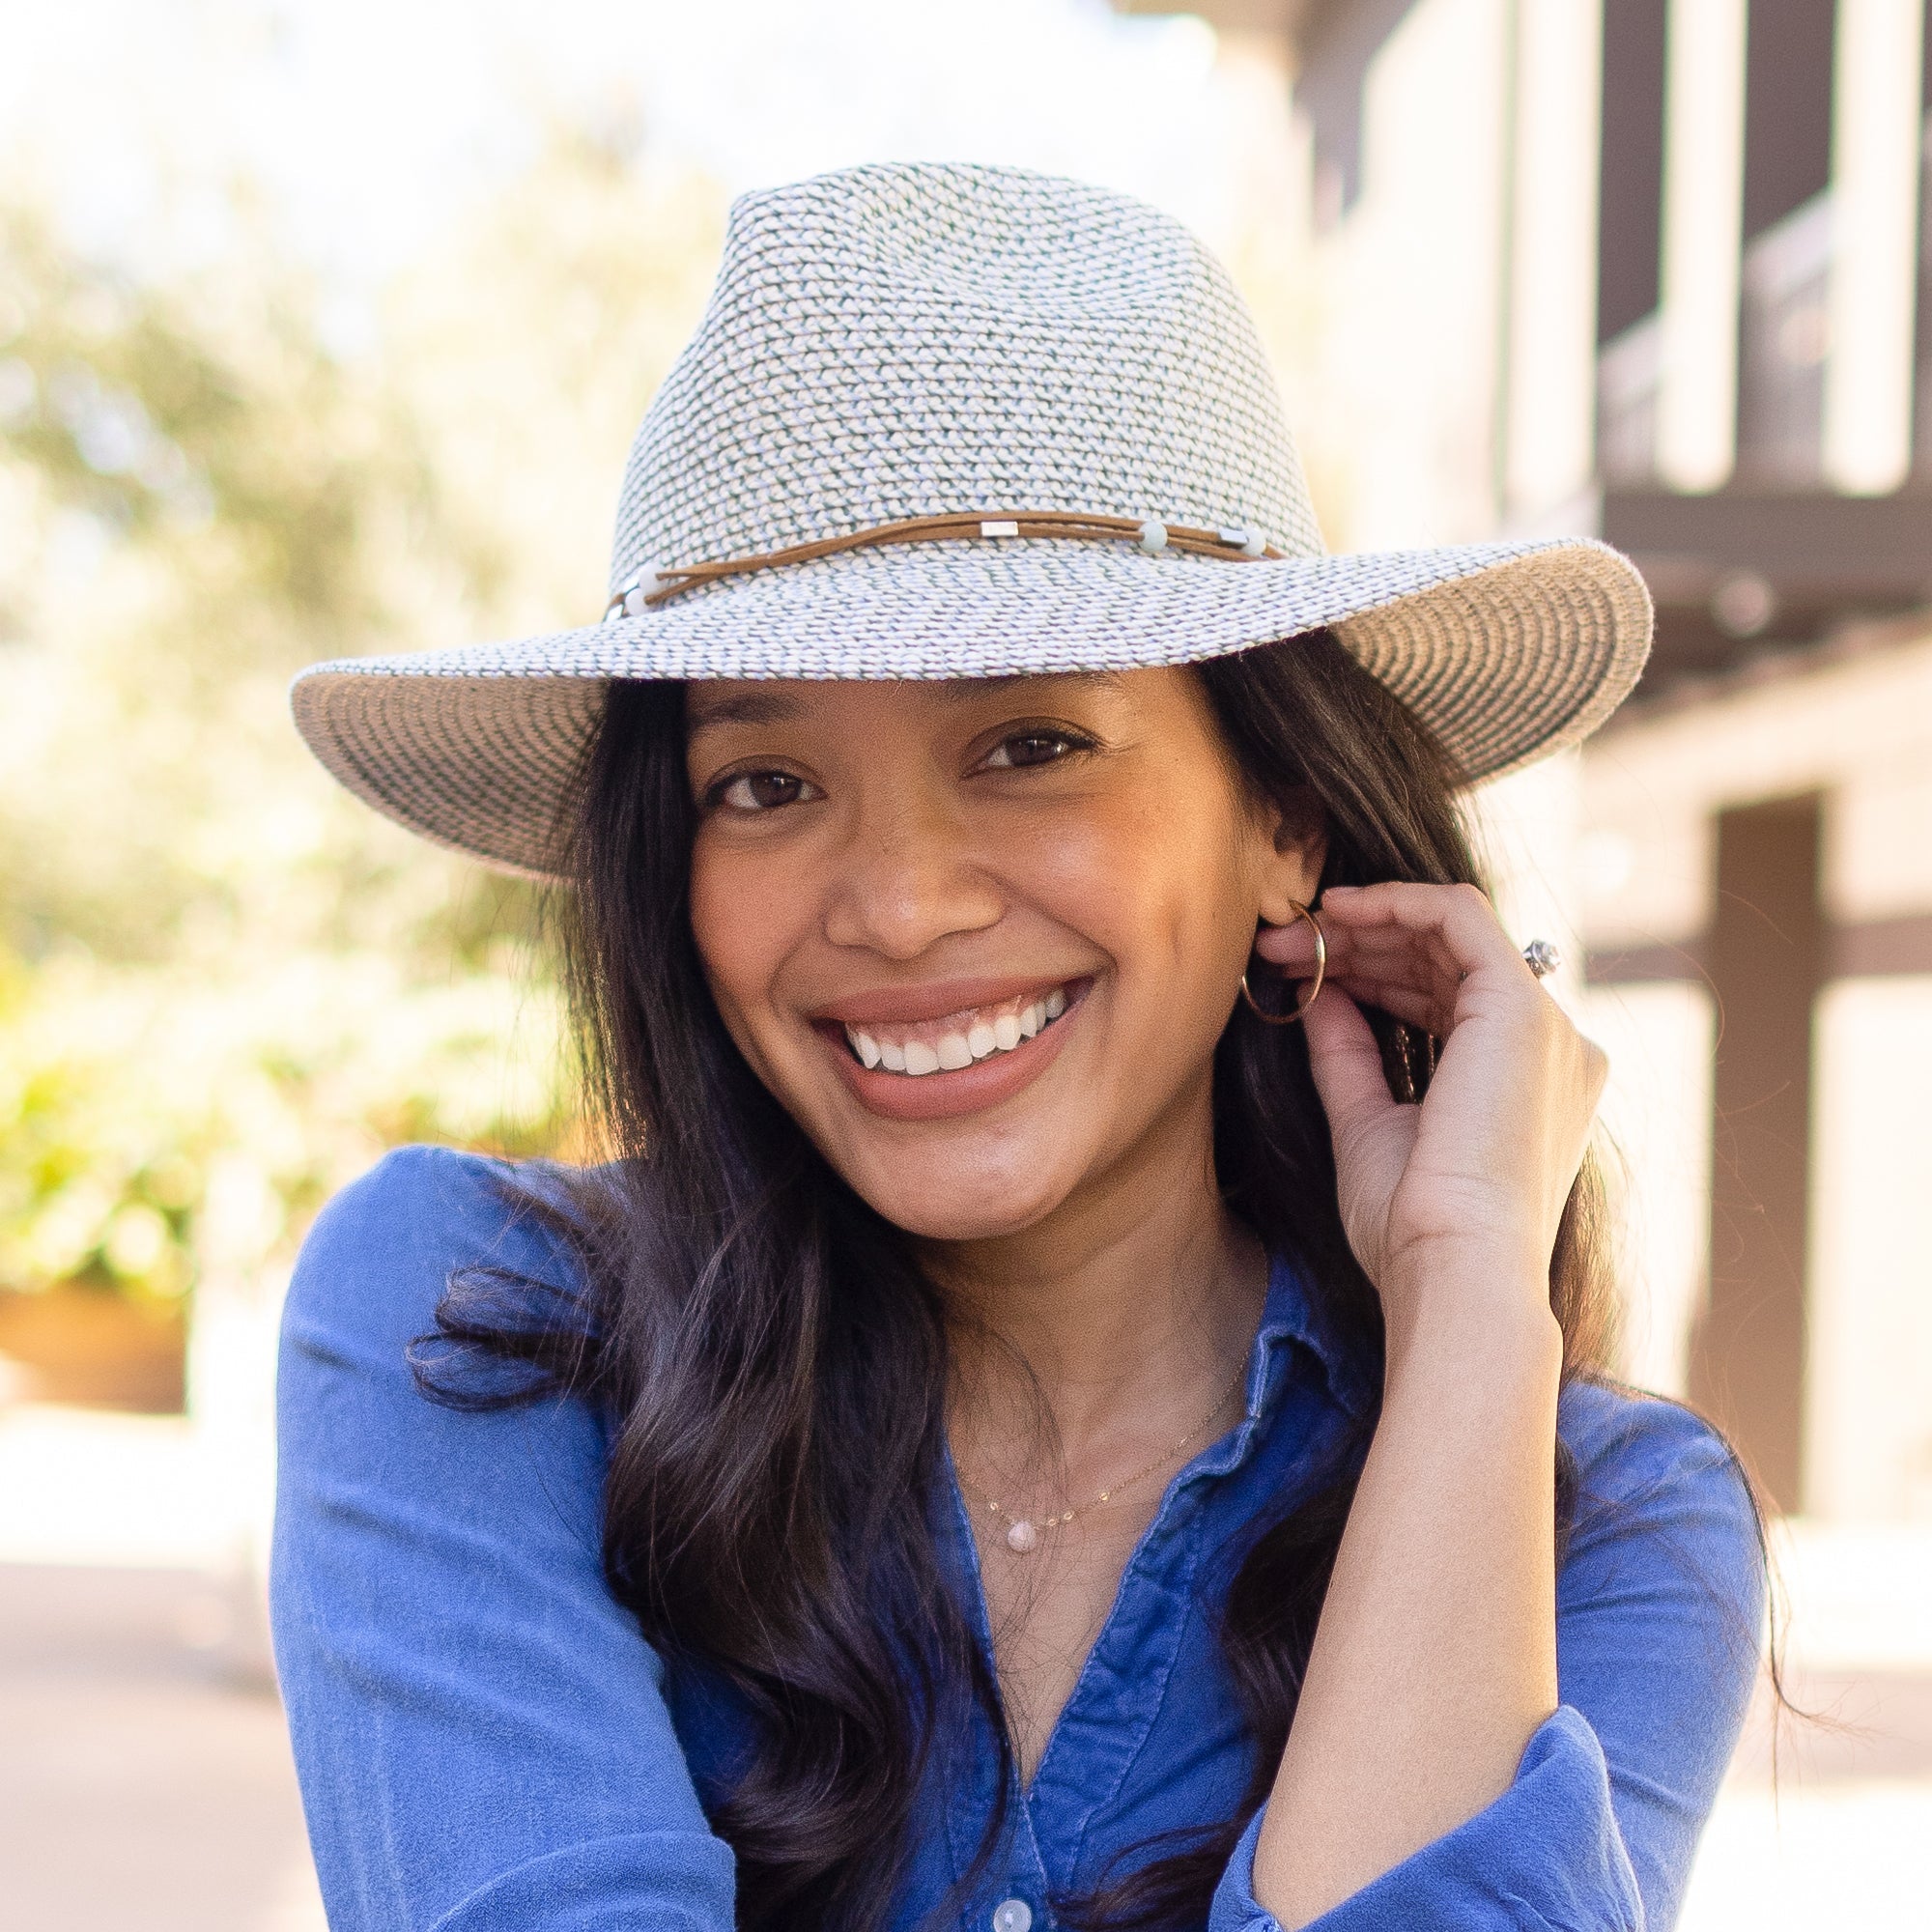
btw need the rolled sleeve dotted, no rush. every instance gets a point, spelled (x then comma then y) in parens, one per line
(1546, 1854)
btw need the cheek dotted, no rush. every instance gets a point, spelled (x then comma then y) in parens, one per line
(742, 956)
(1167, 892)
(1205, 925)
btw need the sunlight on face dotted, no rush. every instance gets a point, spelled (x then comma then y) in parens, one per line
(980, 937)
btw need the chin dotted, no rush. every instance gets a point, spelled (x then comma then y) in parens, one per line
(957, 1207)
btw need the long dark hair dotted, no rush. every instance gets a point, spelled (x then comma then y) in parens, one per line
(775, 1363)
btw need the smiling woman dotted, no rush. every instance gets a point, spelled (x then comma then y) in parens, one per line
(1067, 862)
(1014, 1435)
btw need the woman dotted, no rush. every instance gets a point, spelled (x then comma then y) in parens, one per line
(1079, 1398)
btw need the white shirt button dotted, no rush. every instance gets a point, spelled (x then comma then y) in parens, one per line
(1012, 1915)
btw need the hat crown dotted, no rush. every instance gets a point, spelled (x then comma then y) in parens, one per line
(908, 340)
(899, 342)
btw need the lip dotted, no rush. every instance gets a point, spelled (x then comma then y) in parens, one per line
(966, 1090)
(938, 1000)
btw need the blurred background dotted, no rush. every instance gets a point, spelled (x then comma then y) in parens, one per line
(324, 328)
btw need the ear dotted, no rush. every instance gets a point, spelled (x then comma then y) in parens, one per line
(1291, 873)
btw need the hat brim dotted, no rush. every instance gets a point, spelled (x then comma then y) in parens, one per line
(1504, 651)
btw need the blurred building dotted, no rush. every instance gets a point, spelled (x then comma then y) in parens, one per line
(1653, 271)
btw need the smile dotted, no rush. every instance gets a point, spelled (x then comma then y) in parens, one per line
(958, 1040)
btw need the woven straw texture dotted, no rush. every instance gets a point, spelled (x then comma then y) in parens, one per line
(904, 341)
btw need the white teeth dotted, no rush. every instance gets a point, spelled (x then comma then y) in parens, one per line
(954, 1050)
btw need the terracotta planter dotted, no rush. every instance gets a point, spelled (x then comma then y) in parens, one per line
(87, 1345)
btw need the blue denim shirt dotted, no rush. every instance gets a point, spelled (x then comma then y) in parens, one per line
(486, 1744)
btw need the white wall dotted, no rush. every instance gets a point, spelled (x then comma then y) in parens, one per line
(1860, 728)
(1550, 429)
(1402, 411)
(1703, 200)
(1657, 1120)
(1868, 1415)
(1875, 163)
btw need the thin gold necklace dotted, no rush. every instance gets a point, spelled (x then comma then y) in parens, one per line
(1023, 1533)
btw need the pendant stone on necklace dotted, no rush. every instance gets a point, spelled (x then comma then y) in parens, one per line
(1023, 1535)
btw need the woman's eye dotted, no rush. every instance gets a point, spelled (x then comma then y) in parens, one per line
(761, 791)
(1033, 748)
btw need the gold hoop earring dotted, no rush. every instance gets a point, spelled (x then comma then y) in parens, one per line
(1302, 1004)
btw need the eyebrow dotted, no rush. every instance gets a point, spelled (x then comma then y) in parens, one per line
(749, 708)
(776, 707)
(961, 688)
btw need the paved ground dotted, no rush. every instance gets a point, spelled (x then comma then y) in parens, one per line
(1827, 1823)
(141, 1785)
(145, 1783)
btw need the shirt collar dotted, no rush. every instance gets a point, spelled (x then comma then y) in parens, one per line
(1288, 1323)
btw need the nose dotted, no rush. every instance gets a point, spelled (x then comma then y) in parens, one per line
(906, 878)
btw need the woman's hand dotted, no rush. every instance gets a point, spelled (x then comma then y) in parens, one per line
(1471, 1184)
(1437, 1648)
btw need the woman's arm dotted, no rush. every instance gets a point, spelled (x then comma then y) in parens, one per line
(1435, 1662)
(478, 1726)
(1436, 1657)
(1658, 1618)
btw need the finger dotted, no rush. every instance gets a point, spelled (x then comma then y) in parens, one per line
(1457, 921)
(1291, 946)
(1431, 1005)
(1414, 988)
(1378, 989)
(1392, 954)
(1347, 1062)
(1398, 953)
(1416, 1008)
(1393, 945)
(1443, 941)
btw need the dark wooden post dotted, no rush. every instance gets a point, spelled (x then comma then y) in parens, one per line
(1767, 961)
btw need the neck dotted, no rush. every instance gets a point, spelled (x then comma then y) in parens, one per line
(1113, 1314)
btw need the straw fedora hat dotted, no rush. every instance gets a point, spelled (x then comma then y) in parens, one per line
(948, 421)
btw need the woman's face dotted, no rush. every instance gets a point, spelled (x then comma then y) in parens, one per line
(980, 937)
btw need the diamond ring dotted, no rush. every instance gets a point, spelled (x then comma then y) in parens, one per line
(1541, 957)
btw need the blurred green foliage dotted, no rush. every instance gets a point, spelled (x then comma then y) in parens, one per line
(224, 986)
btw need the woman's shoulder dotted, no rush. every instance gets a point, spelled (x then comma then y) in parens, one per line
(1652, 1471)
(381, 1253)
(1625, 1441)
